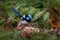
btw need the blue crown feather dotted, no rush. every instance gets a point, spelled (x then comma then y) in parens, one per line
(27, 17)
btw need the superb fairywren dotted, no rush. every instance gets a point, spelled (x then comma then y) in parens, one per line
(27, 17)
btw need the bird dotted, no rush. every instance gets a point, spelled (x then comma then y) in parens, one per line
(26, 17)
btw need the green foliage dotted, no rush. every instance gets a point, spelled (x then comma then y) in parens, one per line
(46, 16)
(54, 2)
(27, 7)
(14, 35)
(2, 23)
(43, 36)
(9, 35)
(24, 8)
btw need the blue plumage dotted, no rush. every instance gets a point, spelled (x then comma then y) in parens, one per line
(16, 12)
(24, 17)
(27, 17)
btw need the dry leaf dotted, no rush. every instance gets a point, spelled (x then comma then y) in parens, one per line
(29, 31)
